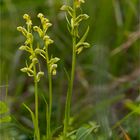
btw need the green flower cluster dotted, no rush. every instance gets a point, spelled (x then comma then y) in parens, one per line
(74, 22)
(47, 41)
(28, 46)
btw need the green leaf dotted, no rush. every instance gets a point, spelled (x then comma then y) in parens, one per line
(54, 60)
(5, 119)
(33, 119)
(133, 107)
(84, 36)
(32, 114)
(68, 23)
(84, 133)
(68, 9)
(67, 74)
(47, 112)
(81, 17)
(3, 107)
(81, 46)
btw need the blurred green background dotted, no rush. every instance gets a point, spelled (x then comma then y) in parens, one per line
(107, 74)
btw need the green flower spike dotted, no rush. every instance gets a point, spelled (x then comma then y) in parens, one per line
(28, 21)
(78, 3)
(32, 68)
(78, 44)
(45, 22)
(50, 62)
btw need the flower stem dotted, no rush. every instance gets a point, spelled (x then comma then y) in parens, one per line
(70, 89)
(50, 98)
(36, 106)
(50, 106)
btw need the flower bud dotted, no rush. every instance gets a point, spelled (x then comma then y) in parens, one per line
(46, 26)
(40, 15)
(23, 30)
(78, 3)
(80, 18)
(19, 28)
(38, 51)
(53, 69)
(79, 50)
(37, 29)
(45, 20)
(39, 75)
(28, 20)
(47, 40)
(24, 48)
(26, 17)
(54, 72)
(29, 39)
(81, 46)
(68, 9)
(24, 69)
(54, 60)
(35, 60)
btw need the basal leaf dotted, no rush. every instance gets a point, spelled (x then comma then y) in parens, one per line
(5, 119)
(3, 107)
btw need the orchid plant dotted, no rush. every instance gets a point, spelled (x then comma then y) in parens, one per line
(33, 69)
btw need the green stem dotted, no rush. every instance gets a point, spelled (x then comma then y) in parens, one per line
(50, 99)
(36, 105)
(47, 116)
(123, 119)
(50, 106)
(70, 89)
